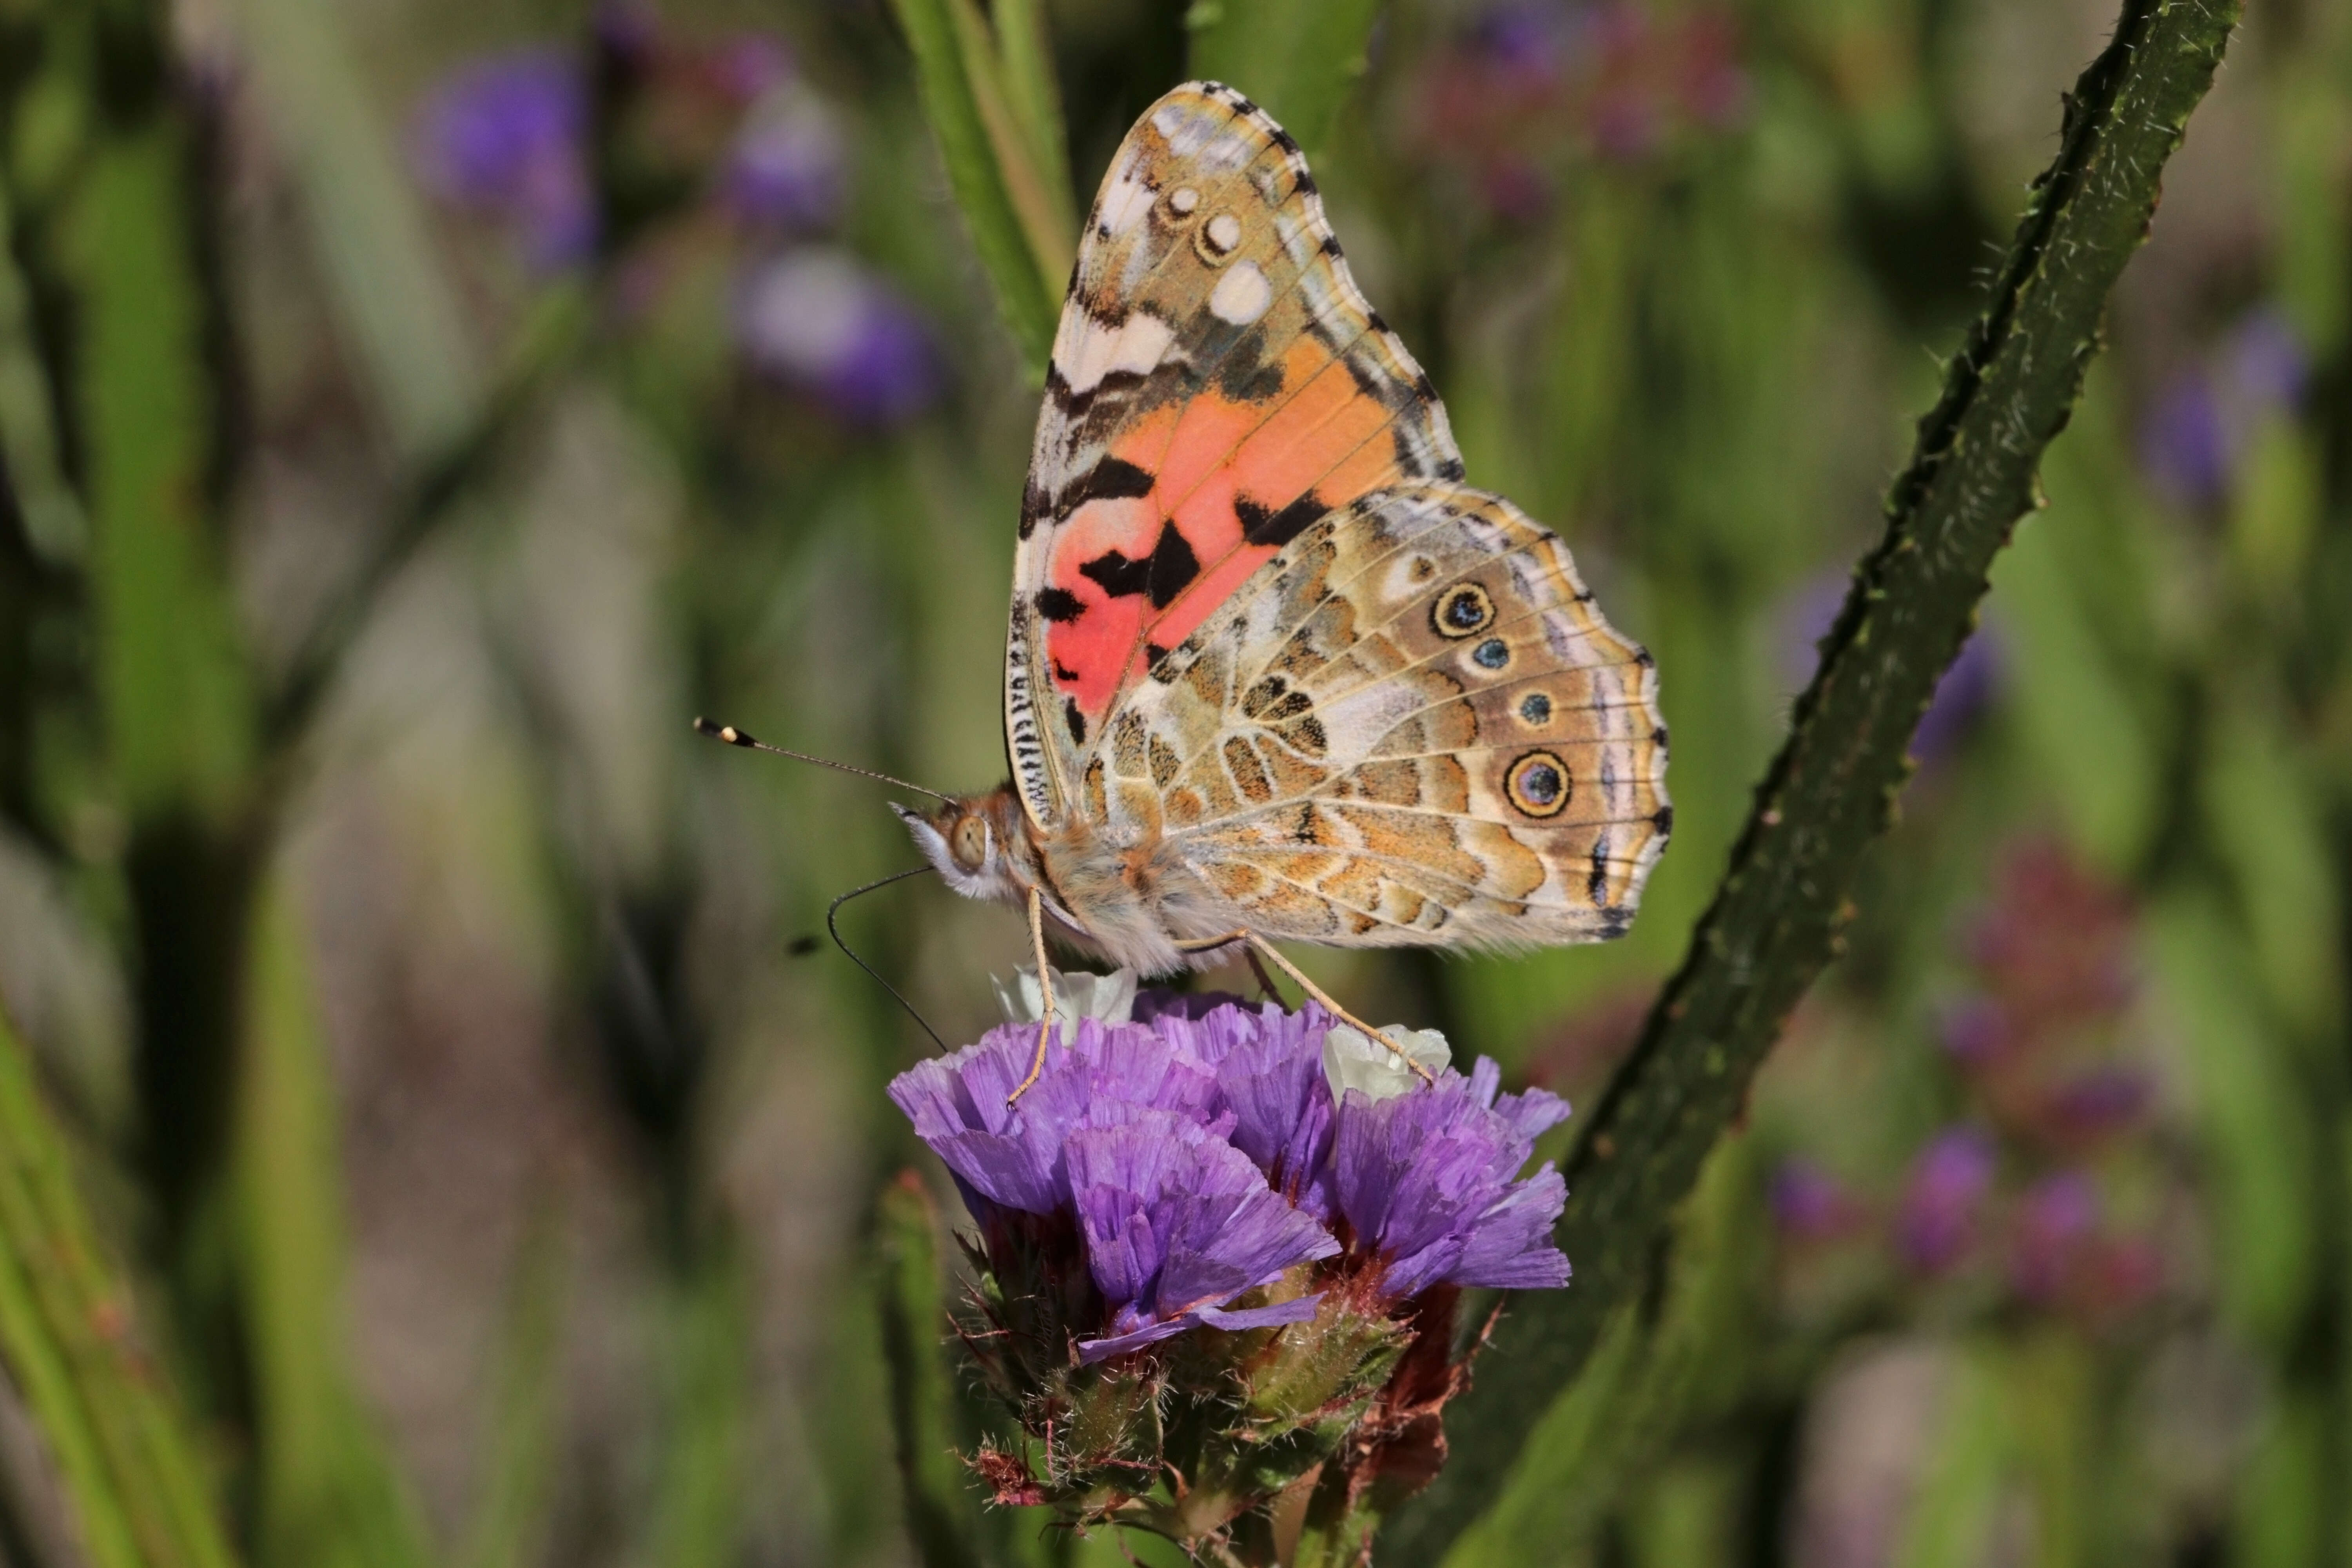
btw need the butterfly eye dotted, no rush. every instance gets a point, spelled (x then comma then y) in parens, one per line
(1464, 610)
(967, 842)
(1538, 783)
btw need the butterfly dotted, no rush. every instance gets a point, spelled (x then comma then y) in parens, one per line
(1274, 673)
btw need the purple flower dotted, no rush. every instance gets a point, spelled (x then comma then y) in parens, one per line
(1426, 1180)
(1977, 1033)
(2265, 362)
(2057, 1221)
(818, 319)
(1204, 1157)
(1949, 1180)
(2099, 1102)
(2196, 429)
(503, 136)
(1176, 1221)
(2182, 443)
(1808, 1203)
(785, 167)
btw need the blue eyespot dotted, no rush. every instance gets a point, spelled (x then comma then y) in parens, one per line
(1494, 653)
(1535, 709)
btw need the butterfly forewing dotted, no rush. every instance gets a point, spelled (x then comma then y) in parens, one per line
(1218, 384)
(1259, 620)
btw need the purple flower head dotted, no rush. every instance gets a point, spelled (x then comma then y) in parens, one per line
(1978, 1034)
(816, 319)
(1426, 1180)
(1527, 43)
(1204, 1157)
(2197, 430)
(1809, 1204)
(2265, 362)
(502, 136)
(2182, 443)
(2099, 1102)
(753, 65)
(785, 167)
(2056, 1225)
(1176, 1221)
(1937, 1223)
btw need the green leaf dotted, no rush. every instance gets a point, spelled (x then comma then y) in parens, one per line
(179, 710)
(397, 308)
(941, 1507)
(699, 1509)
(1776, 918)
(1025, 46)
(512, 1502)
(133, 1475)
(2254, 1119)
(999, 134)
(330, 1496)
(2079, 725)
(1298, 58)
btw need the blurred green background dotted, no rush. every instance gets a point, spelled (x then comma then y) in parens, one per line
(413, 412)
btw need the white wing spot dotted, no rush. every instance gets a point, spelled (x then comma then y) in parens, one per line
(1242, 295)
(1124, 200)
(1182, 200)
(1095, 351)
(1225, 231)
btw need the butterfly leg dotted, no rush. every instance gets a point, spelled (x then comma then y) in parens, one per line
(1045, 995)
(1259, 944)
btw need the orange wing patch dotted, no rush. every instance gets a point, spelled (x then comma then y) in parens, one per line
(1218, 384)
(1232, 482)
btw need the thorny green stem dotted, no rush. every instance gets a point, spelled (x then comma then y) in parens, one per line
(1775, 921)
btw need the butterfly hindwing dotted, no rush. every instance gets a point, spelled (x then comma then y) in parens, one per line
(1412, 726)
(1218, 384)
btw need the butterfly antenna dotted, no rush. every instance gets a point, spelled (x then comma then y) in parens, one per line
(734, 737)
(833, 908)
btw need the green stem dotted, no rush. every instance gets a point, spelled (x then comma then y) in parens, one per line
(1775, 921)
(139, 1492)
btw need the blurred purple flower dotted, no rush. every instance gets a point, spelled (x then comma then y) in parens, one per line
(1809, 1204)
(1966, 690)
(1527, 41)
(785, 167)
(503, 136)
(2182, 443)
(2267, 363)
(817, 318)
(2099, 1104)
(1202, 1158)
(2057, 1221)
(2195, 430)
(1937, 1223)
(754, 64)
(1977, 1033)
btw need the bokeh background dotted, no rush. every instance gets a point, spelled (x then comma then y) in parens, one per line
(413, 412)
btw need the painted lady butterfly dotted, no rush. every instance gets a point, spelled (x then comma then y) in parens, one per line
(1274, 673)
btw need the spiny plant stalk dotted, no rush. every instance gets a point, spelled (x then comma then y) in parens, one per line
(1774, 924)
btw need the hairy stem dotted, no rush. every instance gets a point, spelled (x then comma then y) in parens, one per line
(1775, 921)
